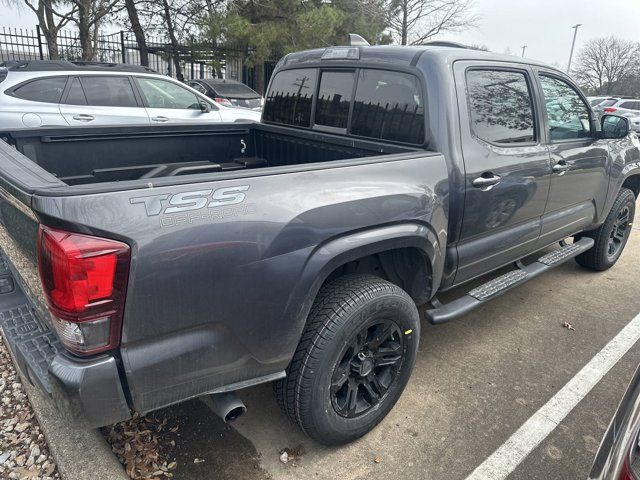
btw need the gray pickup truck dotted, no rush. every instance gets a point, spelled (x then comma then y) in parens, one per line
(144, 266)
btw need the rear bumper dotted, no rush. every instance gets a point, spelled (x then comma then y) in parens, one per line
(88, 392)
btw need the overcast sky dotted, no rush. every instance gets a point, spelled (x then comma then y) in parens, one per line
(543, 25)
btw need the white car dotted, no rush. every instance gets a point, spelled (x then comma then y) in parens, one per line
(47, 93)
(634, 121)
(618, 105)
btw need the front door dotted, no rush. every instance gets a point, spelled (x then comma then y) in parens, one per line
(507, 168)
(168, 102)
(579, 161)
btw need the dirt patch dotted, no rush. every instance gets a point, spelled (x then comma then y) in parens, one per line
(185, 441)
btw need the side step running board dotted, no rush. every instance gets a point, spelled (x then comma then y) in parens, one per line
(496, 287)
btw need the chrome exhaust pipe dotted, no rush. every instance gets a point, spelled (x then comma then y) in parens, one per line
(226, 405)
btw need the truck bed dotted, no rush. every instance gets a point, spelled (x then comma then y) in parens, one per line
(83, 156)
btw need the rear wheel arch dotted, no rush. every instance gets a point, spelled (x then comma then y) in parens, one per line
(632, 182)
(376, 251)
(329, 259)
(406, 267)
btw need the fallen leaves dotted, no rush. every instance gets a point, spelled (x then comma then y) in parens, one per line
(137, 444)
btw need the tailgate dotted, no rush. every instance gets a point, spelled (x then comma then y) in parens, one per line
(88, 392)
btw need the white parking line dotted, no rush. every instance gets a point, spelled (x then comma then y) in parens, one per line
(509, 455)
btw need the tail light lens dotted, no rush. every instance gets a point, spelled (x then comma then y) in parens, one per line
(610, 109)
(224, 101)
(84, 279)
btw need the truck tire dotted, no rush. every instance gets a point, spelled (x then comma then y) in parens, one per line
(611, 237)
(353, 361)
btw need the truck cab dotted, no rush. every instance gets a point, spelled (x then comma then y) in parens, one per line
(298, 250)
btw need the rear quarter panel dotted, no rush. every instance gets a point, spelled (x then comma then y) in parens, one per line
(219, 295)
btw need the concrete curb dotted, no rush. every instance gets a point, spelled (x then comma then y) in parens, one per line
(80, 454)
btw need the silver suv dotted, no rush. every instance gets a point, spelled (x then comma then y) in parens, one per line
(60, 93)
(619, 106)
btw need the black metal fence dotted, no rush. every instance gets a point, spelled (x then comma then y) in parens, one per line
(197, 59)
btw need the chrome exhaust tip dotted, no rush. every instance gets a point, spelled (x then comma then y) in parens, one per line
(225, 405)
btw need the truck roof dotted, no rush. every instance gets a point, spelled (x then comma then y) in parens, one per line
(406, 55)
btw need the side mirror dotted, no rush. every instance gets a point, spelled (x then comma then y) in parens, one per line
(205, 107)
(614, 127)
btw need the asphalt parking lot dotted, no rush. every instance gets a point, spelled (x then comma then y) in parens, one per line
(475, 382)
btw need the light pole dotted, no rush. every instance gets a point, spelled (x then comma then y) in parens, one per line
(524, 47)
(573, 44)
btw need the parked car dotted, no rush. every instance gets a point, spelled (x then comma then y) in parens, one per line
(634, 120)
(144, 266)
(619, 105)
(60, 93)
(618, 457)
(228, 92)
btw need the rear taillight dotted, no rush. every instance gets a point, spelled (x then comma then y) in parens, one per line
(224, 101)
(84, 279)
(610, 109)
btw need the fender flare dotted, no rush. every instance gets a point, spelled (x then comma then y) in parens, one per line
(328, 256)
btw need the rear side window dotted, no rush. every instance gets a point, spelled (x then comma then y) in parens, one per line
(47, 90)
(334, 99)
(290, 98)
(76, 94)
(501, 107)
(631, 105)
(388, 106)
(109, 91)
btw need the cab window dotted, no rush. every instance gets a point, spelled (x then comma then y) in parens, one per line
(290, 97)
(388, 106)
(334, 99)
(567, 114)
(500, 106)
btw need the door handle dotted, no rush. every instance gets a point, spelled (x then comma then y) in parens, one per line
(561, 167)
(486, 182)
(83, 117)
(159, 119)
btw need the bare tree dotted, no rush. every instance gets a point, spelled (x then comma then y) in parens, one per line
(138, 31)
(416, 21)
(177, 19)
(88, 17)
(603, 63)
(51, 19)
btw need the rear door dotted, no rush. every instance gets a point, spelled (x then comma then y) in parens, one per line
(168, 102)
(579, 161)
(102, 100)
(506, 162)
